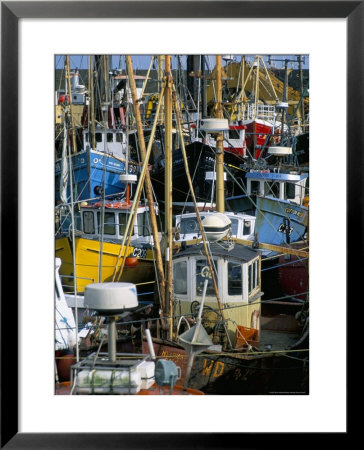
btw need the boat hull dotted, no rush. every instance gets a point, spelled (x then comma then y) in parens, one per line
(201, 159)
(87, 264)
(293, 275)
(91, 170)
(226, 374)
(280, 222)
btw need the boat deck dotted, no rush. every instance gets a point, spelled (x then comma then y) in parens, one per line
(277, 340)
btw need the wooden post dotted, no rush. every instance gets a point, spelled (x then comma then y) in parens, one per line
(148, 184)
(168, 188)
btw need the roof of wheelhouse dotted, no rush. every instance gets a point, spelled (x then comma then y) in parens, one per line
(242, 252)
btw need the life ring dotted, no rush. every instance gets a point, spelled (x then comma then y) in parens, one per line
(114, 204)
(255, 321)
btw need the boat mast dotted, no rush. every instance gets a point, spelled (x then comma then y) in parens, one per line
(301, 92)
(168, 187)
(68, 76)
(220, 197)
(92, 104)
(160, 83)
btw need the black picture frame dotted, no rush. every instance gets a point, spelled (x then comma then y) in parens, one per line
(11, 12)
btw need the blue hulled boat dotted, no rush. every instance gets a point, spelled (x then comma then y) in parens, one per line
(93, 169)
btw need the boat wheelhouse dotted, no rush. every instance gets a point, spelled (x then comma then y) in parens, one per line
(237, 270)
(242, 225)
(234, 137)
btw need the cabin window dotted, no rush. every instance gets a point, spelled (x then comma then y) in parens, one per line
(109, 223)
(88, 222)
(109, 137)
(272, 189)
(250, 279)
(143, 225)
(86, 137)
(123, 220)
(253, 275)
(119, 137)
(190, 225)
(255, 187)
(201, 265)
(180, 278)
(98, 137)
(290, 191)
(247, 227)
(233, 134)
(235, 279)
(234, 226)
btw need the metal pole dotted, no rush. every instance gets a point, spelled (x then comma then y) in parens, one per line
(198, 323)
(112, 339)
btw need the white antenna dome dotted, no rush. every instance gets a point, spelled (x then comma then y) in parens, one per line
(216, 226)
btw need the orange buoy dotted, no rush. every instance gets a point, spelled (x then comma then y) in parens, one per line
(131, 261)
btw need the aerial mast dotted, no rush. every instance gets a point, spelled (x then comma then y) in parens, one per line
(220, 194)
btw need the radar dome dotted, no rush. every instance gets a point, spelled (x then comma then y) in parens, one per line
(216, 226)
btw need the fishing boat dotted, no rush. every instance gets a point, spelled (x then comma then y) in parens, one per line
(253, 349)
(100, 145)
(99, 249)
(97, 170)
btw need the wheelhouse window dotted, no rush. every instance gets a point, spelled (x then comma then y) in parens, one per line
(119, 137)
(98, 137)
(234, 226)
(253, 275)
(143, 224)
(88, 222)
(190, 225)
(247, 227)
(233, 134)
(235, 279)
(290, 191)
(123, 220)
(255, 187)
(180, 278)
(109, 137)
(201, 265)
(272, 189)
(109, 223)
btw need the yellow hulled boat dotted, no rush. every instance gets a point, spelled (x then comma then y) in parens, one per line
(99, 259)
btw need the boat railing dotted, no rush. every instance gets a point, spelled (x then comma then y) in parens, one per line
(67, 286)
(252, 111)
